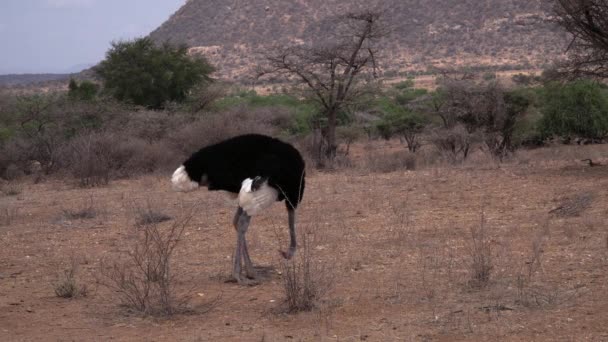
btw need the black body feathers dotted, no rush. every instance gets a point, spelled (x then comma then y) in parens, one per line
(225, 165)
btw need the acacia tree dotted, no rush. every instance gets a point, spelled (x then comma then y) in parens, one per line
(587, 22)
(331, 70)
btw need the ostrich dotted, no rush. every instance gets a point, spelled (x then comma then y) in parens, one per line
(260, 170)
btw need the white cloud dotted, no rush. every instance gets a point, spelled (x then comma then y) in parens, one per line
(69, 3)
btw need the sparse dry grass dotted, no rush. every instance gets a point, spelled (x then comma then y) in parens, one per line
(399, 246)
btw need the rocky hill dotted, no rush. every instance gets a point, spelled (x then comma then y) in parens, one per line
(507, 34)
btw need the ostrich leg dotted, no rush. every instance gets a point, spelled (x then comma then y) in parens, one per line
(241, 222)
(292, 234)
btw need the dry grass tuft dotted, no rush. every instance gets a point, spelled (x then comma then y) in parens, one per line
(7, 216)
(12, 189)
(149, 215)
(67, 286)
(481, 255)
(305, 280)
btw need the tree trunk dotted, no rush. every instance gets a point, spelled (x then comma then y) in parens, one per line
(332, 147)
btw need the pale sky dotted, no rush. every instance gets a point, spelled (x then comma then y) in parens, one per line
(60, 36)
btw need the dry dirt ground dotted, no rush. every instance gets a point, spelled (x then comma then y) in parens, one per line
(398, 248)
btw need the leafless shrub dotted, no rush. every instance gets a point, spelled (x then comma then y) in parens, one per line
(215, 127)
(453, 143)
(89, 158)
(481, 255)
(312, 152)
(203, 97)
(305, 280)
(146, 281)
(67, 285)
(147, 125)
(135, 156)
(87, 211)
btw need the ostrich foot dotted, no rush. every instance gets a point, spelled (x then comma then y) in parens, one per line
(287, 255)
(251, 273)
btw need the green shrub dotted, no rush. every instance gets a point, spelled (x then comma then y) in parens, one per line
(578, 109)
(141, 73)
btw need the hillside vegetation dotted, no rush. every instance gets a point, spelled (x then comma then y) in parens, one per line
(511, 34)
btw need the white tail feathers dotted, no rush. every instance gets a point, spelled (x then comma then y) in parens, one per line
(253, 202)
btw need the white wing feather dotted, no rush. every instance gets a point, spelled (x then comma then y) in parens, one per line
(253, 202)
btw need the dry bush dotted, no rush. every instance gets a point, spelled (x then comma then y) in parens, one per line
(67, 286)
(203, 97)
(147, 125)
(12, 189)
(87, 211)
(305, 280)
(135, 156)
(96, 158)
(215, 127)
(89, 158)
(146, 280)
(480, 250)
(454, 143)
(311, 150)
(390, 162)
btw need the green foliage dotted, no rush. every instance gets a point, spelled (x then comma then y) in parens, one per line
(304, 112)
(408, 95)
(399, 123)
(409, 83)
(144, 74)
(578, 109)
(405, 92)
(404, 123)
(85, 91)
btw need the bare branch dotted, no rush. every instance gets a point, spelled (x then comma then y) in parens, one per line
(587, 22)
